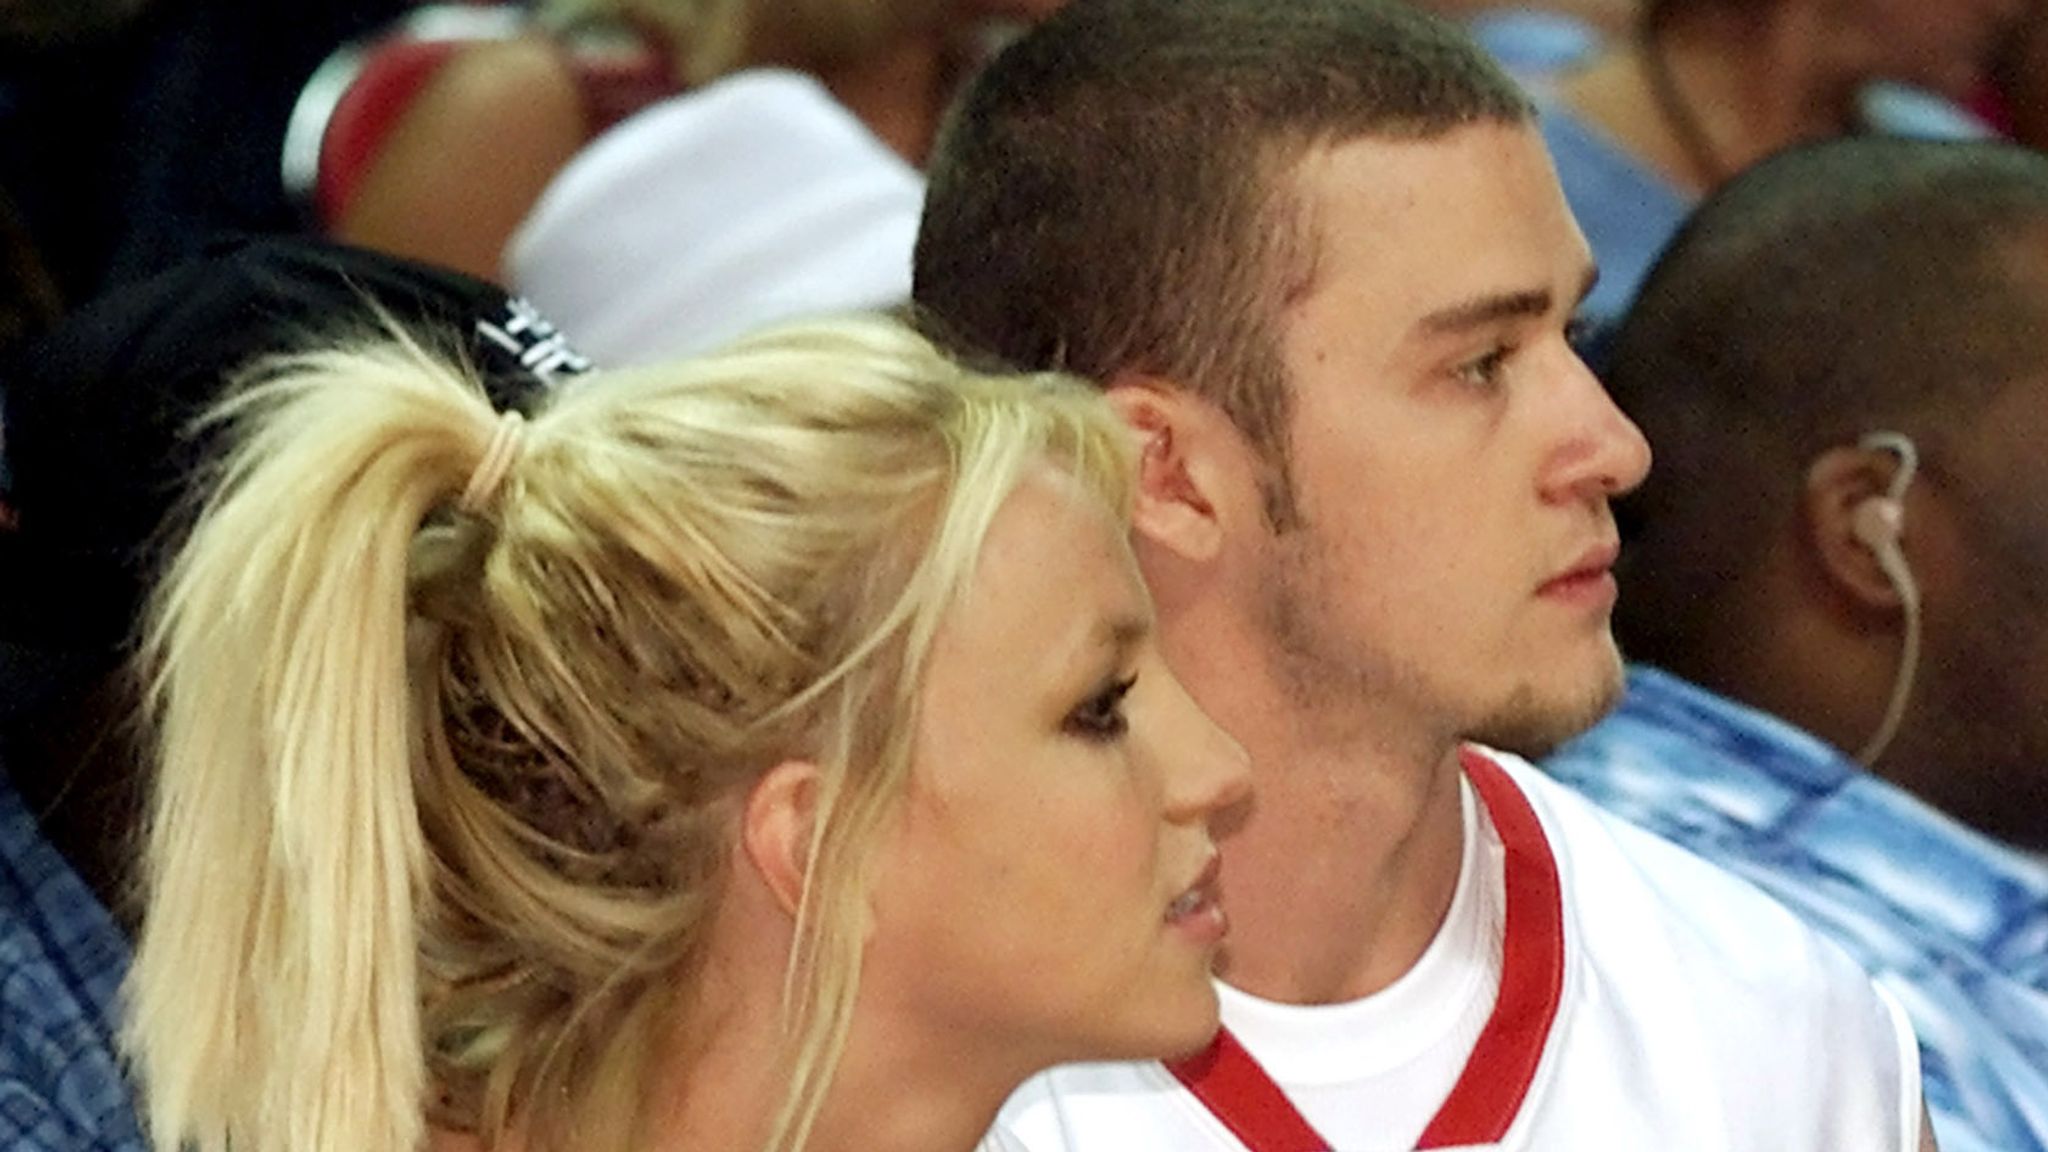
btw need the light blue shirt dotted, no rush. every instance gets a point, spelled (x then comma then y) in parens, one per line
(1951, 922)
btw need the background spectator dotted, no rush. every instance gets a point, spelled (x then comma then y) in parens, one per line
(1704, 88)
(1843, 364)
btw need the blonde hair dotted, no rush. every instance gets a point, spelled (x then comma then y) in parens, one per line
(711, 38)
(445, 799)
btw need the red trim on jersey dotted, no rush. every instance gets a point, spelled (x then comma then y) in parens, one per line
(1232, 1086)
(1503, 1063)
(1498, 1074)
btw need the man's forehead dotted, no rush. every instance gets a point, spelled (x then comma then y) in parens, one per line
(1441, 176)
(1306, 155)
(1470, 210)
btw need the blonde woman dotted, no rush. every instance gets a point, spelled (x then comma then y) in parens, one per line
(770, 751)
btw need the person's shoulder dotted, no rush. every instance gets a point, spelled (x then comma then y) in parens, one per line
(507, 99)
(1648, 912)
(1693, 967)
(513, 83)
(1614, 871)
(468, 156)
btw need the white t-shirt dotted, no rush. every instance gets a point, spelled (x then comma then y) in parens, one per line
(753, 200)
(1653, 1002)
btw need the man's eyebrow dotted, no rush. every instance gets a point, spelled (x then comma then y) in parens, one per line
(1499, 306)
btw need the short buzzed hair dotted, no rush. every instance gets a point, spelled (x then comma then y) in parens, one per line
(1859, 284)
(1112, 193)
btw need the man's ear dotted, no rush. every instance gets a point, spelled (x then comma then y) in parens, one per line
(776, 826)
(1181, 442)
(1840, 487)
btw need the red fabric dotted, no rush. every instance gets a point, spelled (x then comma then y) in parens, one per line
(393, 73)
(1497, 1077)
(1232, 1086)
(1990, 105)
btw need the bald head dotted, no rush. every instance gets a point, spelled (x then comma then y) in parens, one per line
(1859, 284)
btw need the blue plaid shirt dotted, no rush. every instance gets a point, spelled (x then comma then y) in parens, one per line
(1951, 922)
(61, 962)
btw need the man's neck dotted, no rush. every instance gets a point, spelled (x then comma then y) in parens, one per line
(1344, 872)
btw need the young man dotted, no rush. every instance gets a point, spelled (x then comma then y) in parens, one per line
(1840, 575)
(1317, 253)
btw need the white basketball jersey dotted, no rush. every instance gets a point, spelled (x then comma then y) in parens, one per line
(1644, 1000)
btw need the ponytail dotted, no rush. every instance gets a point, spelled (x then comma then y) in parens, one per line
(274, 997)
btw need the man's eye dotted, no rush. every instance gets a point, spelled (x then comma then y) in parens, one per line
(1485, 371)
(1101, 716)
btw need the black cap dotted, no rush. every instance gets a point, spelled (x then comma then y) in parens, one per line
(97, 412)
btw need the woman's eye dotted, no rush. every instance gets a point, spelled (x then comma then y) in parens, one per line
(1101, 716)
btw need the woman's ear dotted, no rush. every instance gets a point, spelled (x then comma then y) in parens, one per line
(1185, 465)
(1848, 518)
(776, 827)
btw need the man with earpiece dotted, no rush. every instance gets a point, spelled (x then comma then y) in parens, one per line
(1835, 586)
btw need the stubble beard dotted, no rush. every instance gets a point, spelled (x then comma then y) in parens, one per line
(1336, 685)
(1331, 673)
(1533, 728)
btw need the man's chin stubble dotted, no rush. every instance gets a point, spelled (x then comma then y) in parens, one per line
(1533, 728)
